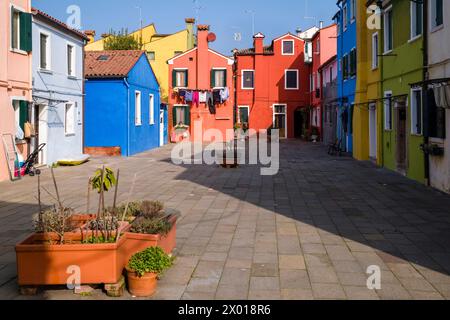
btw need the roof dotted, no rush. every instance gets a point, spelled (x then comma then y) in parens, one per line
(329, 61)
(58, 23)
(230, 60)
(251, 51)
(117, 63)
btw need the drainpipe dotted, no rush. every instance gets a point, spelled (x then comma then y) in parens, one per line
(426, 138)
(235, 78)
(128, 116)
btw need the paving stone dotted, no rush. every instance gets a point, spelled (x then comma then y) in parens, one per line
(323, 275)
(169, 292)
(264, 295)
(203, 285)
(393, 292)
(264, 283)
(209, 269)
(235, 277)
(328, 291)
(360, 293)
(231, 293)
(294, 279)
(292, 262)
(265, 270)
(297, 294)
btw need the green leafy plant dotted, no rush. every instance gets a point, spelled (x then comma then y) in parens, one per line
(106, 176)
(152, 260)
(151, 226)
(122, 41)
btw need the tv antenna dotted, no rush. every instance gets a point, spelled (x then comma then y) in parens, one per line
(253, 13)
(307, 17)
(197, 7)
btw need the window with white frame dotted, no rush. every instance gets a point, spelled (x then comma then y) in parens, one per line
(248, 79)
(15, 29)
(288, 47)
(151, 107)
(375, 50)
(345, 16)
(352, 10)
(437, 13)
(416, 19)
(218, 78)
(69, 119)
(137, 108)
(70, 60)
(388, 111)
(44, 50)
(416, 111)
(291, 79)
(388, 30)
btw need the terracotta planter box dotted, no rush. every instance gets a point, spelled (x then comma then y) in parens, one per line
(139, 242)
(40, 263)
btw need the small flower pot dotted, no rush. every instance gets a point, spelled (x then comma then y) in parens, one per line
(144, 286)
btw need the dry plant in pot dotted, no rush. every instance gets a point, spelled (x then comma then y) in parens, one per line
(143, 271)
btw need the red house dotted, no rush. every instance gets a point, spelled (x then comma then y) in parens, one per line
(324, 46)
(201, 88)
(272, 84)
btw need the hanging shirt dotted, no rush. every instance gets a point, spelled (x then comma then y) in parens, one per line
(202, 97)
(189, 96)
(211, 104)
(216, 97)
(224, 95)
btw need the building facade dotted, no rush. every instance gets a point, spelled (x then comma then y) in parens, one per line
(201, 90)
(368, 112)
(272, 85)
(328, 75)
(15, 81)
(159, 48)
(347, 62)
(57, 110)
(122, 105)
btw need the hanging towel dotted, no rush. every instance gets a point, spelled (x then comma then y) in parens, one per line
(211, 104)
(195, 97)
(437, 95)
(189, 96)
(224, 94)
(202, 97)
(216, 97)
(447, 96)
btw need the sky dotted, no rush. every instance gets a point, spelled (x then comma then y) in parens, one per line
(227, 18)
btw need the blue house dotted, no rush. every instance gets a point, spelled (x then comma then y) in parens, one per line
(122, 104)
(57, 73)
(345, 19)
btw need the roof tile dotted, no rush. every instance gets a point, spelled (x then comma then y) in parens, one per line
(117, 65)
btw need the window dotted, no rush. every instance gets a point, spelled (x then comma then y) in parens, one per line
(20, 113)
(248, 79)
(69, 119)
(288, 47)
(437, 13)
(388, 111)
(244, 115)
(345, 66)
(151, 106)
(291, 79)
(416, 19)
(353, 62)
(313, 80)
(435, 125)
(318, 46)
(20, 30)
(44, 51)
(331, 74)
(416, 111)
(180, 78)
(311, 83)
(218, 78)
(375, 51)
(138, 108)
(151, 55)
(345, 16)
(70, 60)
(181, 115)
(388, 31)
(352, 10)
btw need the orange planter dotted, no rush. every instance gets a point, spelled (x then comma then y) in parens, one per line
(39, 263)
(137, 242)
(144, 286)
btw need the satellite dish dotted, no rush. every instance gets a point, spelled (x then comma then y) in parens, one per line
(212, 37)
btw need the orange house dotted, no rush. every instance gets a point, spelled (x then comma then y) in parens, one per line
(272, 84)
(201, 89)
(15, 82)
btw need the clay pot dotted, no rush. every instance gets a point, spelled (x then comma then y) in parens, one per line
(144, 286)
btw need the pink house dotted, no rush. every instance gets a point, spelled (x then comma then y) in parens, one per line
(15, 78)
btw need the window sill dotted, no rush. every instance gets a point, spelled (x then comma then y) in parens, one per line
(375, 68)
(70, 135)
(388, 52)
(18, 51)
(138, 124)
(414, 39)
(291, 89)
(72, 77)
(419, 135)
(45, 71)
(436, 29)
(247, 88)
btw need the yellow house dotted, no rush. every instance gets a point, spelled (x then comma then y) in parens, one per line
(368, 114)
(159, 47)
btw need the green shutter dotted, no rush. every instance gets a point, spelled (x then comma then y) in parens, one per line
(25, 32)
(213, 77)
(23, 114)
(174, 79)
(187, 115)
(225, 78)
(174, 116)
(187, 78)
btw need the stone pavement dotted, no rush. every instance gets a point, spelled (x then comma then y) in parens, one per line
(308, 233)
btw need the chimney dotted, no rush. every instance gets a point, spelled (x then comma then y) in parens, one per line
(299, 32)
(91, 35)
(202, 37)
(190, 22)
(258, 43)
(321, 25)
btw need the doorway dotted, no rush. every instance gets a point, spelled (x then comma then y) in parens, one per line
(280, 119)
(401, 117)
(161, 128)
(373, 141)
(298, 124)
(40, 115)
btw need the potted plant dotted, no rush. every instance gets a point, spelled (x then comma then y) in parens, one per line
(143, 271)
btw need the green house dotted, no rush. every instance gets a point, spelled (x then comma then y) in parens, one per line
(402, 47)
